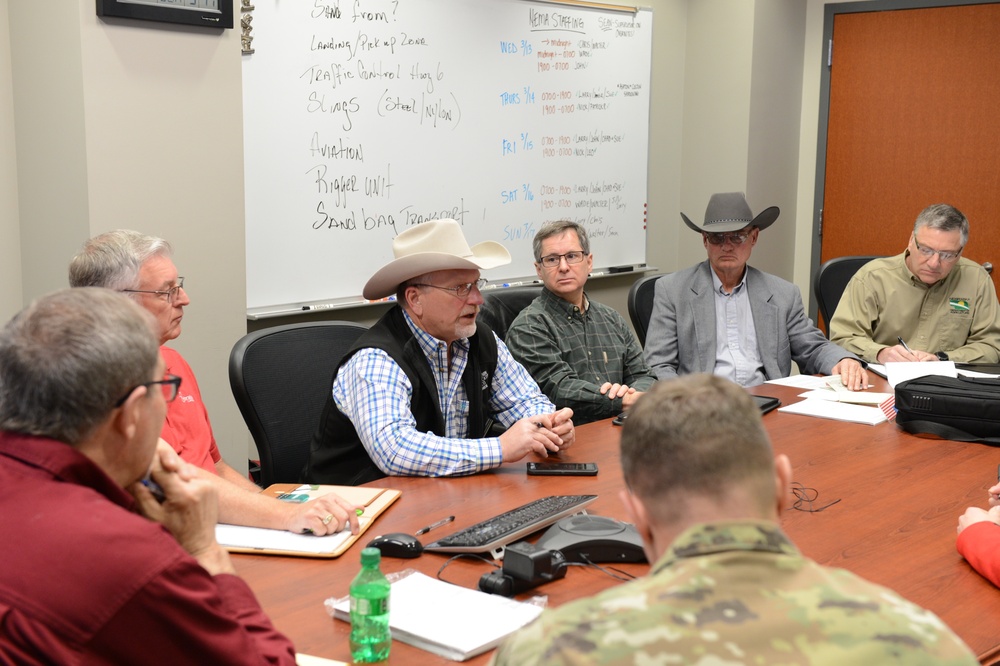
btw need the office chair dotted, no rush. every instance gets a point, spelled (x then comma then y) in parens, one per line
(503, 304)
(831, 281)
(281, 378)
(640, 304)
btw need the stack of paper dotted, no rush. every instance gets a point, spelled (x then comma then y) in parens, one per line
(833, 409)
(830, 399)
(454, 622)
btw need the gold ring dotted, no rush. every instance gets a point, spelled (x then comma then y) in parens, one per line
(327, 519)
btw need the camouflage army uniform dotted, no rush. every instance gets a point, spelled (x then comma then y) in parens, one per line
(735, 593)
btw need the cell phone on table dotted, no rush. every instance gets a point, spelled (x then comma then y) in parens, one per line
(766, 403)
(561, 469)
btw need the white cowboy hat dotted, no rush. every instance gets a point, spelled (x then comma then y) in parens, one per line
(436, 245)
(729, 211)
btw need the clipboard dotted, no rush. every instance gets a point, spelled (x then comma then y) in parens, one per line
(263, 541)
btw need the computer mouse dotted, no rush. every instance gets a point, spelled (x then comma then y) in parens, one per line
(397, 544)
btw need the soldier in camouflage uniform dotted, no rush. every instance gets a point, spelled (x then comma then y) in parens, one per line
(727, 587)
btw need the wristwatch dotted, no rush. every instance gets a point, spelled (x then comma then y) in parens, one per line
(941, 356)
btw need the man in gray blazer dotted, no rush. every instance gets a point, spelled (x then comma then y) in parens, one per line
(727, 318)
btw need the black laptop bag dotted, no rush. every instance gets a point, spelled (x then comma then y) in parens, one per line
(963, 409)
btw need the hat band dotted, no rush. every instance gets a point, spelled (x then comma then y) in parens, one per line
(729, 219)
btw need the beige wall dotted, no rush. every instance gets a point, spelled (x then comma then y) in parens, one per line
(10, 235)
(129, 124)
(135, 124)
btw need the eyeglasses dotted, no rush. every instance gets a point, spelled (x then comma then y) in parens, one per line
(928, 253)
(171, 293)
(170, 386)
(553, 260)
(460, 290)
(736, 238)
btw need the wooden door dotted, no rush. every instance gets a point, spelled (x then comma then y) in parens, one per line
(914, 119)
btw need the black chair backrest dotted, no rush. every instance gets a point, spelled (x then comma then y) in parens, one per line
(640, 305)
(831, 281)
(503, 304)
(281, 378)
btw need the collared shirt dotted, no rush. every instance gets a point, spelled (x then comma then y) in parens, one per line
(737, 357)
(375, 393)
(187, 428)
(571, 354)
(737, 592)
(86, 580)
(958, 315)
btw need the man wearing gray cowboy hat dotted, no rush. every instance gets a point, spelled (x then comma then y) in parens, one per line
(730, 319)
(417, 393)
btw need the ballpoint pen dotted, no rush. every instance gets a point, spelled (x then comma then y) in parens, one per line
(903, 342)
(443, 521)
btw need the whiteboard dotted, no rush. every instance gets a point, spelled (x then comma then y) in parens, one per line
(363, 118)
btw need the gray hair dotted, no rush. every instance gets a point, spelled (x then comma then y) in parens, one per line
(943, 217)
(697, 436)
(67, 358)
(550, 229)
(113, 259)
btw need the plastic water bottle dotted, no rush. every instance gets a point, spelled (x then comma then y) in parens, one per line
(370, 637)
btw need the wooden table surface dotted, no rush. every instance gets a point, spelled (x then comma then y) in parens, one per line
(900, 498)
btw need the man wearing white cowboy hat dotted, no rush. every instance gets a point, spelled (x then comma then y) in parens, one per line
(417, 393)
(730, 319)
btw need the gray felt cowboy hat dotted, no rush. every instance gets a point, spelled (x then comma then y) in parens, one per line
(729, 211)
(437, 245)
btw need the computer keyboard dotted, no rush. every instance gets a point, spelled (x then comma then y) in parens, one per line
(511, 525)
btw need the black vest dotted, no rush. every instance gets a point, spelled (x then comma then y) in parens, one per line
(337, 455)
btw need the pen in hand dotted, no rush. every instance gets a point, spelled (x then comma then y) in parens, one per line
(155, 489)
(903, 342)
(443, 521)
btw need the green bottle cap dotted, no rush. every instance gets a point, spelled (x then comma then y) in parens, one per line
(370, 556)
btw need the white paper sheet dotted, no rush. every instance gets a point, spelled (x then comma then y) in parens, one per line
(901, 371)
(852, 397)
(840, 411)
(800, 381)
(240, 536)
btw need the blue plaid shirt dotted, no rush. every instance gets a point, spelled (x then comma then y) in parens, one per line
(375, 394)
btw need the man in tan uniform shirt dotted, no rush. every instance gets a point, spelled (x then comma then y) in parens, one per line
(943, 306)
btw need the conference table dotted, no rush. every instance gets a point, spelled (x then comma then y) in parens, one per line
(898, 501)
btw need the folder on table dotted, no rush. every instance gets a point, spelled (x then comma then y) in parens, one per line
(263, 541)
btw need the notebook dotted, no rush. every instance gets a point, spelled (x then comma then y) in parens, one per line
(262, 541)
(454, 622)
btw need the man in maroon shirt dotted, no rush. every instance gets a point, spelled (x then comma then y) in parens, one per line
(95, 569)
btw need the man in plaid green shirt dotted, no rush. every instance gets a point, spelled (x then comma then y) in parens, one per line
(582, 354)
